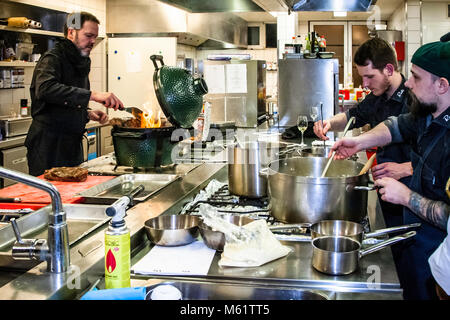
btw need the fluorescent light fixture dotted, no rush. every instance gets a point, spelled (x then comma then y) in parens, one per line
(274, 13)
(339, 13)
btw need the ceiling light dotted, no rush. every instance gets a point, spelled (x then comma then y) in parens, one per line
(339, 13)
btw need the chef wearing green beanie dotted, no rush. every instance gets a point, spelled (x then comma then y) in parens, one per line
(427, 129)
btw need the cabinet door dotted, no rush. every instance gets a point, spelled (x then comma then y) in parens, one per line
(15, 159)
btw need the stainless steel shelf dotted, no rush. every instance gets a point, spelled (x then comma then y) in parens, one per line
(33, 31)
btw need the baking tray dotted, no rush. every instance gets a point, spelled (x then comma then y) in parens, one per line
(110, 191)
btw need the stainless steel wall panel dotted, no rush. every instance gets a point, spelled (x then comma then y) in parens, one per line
(303, 83)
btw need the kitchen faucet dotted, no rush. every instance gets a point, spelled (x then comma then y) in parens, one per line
(54, 250)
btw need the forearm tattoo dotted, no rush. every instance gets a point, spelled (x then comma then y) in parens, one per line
(435, 212)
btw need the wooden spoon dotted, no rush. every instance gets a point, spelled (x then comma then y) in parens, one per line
(352, 119)
(368, 164)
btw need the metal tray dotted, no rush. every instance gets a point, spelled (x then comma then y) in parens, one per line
(109, 191)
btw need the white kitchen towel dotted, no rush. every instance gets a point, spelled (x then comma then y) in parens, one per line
(191, 259)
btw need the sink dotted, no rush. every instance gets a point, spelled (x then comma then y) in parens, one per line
(193, 290)
(82, 219)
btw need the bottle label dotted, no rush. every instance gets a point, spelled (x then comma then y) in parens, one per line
(117, 261)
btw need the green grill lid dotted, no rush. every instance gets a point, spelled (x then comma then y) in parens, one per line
(179, 94)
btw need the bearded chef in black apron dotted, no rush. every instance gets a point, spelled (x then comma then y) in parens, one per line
(60, 94)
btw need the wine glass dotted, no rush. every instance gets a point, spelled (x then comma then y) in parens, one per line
(314, 113)
(302, 125)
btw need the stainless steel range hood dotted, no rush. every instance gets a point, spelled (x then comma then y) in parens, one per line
(198, 6)
(329, 5)
(155, 18)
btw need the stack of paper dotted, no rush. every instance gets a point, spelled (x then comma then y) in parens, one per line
(192, 259)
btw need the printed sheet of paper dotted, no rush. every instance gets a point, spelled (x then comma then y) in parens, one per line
(191, 259)
(236, 78)
(215, 78)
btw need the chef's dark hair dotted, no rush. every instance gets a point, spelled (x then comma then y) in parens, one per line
(377, 51)
(76, 20)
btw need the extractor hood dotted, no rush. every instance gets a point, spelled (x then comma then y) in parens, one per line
(329, 5)
(199, 6)
(134, 18)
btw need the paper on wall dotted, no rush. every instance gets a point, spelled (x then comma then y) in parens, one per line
(236, 78)
(134, 61)
(215, 78)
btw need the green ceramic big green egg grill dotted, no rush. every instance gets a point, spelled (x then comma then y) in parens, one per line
(180, 96)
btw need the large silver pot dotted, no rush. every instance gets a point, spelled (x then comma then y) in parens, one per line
(298, 194)
(245, 163)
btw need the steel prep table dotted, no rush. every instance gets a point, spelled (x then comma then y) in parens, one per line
(295, 270)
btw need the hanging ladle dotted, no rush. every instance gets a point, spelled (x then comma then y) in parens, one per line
(352, 119)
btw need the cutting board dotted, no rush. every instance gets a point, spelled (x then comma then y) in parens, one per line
(31, 195)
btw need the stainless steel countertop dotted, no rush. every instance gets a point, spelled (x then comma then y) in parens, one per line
(294, 270)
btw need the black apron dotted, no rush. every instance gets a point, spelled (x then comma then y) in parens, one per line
(48, 148)
(417, 278)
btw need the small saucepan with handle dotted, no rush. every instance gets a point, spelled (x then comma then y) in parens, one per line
(341, 255)
(353, 230)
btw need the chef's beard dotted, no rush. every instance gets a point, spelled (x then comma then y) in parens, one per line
(419, 108)
(82, 52)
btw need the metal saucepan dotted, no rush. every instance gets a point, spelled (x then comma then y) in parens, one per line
(331, 198)
(353, 230)
(172, 230)
(340, 255)
(216, 239)
(245, 160)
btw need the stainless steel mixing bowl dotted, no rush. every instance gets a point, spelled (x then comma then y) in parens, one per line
(172, 230)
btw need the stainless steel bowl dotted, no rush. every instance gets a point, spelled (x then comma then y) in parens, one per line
(216, 239)
(172, 230)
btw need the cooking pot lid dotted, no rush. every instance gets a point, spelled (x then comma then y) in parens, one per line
(179, 94)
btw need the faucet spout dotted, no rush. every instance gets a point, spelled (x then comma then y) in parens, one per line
(57, 254)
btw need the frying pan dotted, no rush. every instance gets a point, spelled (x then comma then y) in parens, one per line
(340, 255)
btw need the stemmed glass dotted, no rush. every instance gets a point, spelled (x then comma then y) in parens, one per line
(314, 113)
(302, 125)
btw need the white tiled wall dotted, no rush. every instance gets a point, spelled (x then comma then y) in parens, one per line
(435, 22)
(10, 99)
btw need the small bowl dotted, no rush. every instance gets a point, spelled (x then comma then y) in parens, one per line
(216, 239)
(172, 230)
(310, 55)
(326, 55)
